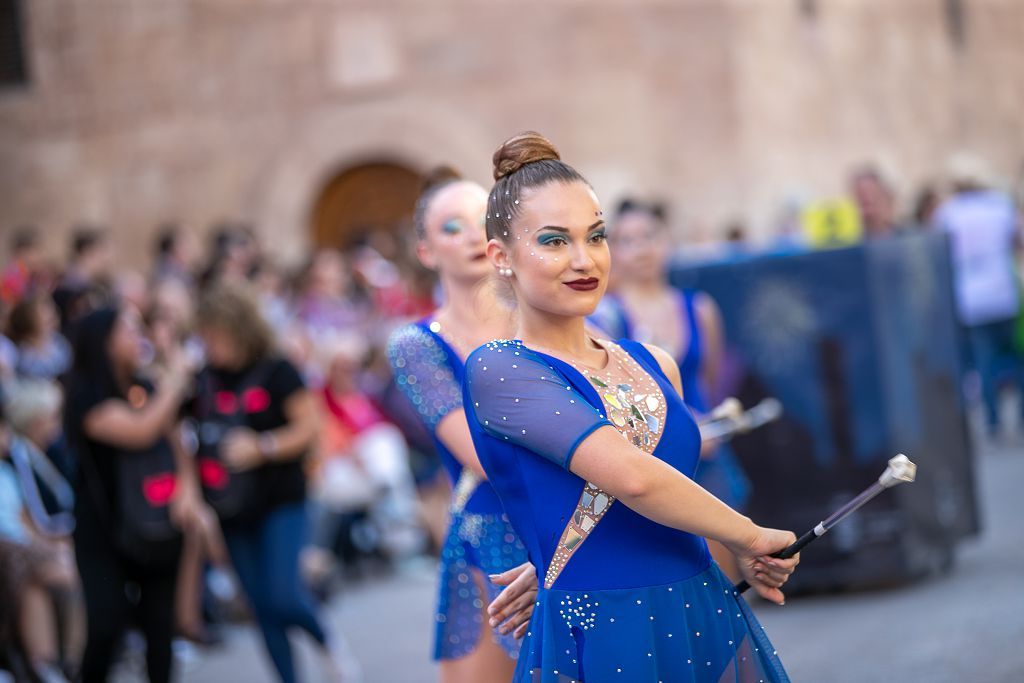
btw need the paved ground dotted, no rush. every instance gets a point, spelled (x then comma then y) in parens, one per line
(967, 626)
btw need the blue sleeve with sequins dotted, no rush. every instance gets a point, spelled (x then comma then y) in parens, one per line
(516, 396)
(423, 374)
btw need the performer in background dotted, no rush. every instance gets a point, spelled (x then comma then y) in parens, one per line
(644, 307)
(428, 362)
(591, 450)
(687, 324)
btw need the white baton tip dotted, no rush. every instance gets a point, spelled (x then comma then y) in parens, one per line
(900, 470)
(730, 409)
(772, 409)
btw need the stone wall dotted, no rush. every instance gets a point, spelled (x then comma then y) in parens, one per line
(143, 111)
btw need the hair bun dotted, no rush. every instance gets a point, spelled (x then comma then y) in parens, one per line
(522, 149)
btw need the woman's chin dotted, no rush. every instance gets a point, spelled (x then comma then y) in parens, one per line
(580, 307)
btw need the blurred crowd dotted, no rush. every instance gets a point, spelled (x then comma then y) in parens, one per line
(226, 330)
(196, 319)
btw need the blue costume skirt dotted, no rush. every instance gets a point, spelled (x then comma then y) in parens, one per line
(487, 543)
(698, 630)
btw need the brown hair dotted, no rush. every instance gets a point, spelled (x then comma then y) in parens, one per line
(435, 181)
(522, 162)
(655, 209)
(233, 308)
(23, 321)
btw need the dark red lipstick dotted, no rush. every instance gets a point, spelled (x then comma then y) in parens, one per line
(584, 284)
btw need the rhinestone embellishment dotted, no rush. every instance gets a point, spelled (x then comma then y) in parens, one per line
(636, 407)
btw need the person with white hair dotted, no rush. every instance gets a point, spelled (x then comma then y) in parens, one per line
(33, 408)
(50, 609)
(984, 229)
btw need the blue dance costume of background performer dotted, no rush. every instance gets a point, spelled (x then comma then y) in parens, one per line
(720, 472)
(623, 598)
(429, 372)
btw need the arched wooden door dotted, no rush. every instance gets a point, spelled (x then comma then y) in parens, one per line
(371, 196)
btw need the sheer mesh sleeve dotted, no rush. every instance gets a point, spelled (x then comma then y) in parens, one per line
(423, 374)
(516, 396)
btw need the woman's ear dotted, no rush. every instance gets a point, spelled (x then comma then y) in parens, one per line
(497, 254)
(426, 255)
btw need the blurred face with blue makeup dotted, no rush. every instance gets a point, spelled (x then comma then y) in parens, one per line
(453, 242)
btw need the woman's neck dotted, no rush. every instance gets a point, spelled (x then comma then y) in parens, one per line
(35, 341)
(565, 335)
(123, 376)
(653, 286)
(473, 311)
(236, 365)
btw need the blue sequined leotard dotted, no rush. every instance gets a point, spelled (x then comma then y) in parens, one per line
(429, 371)
(623, 598)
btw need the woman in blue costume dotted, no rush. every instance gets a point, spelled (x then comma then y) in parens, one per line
(646, 308)
(591, 449)
(428, 360)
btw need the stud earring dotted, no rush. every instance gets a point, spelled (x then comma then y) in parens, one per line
(505, 272)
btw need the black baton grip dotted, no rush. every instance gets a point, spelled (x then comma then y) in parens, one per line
(784, 554)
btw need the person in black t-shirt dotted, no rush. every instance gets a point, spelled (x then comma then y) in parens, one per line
(111, 415)
(279, 425)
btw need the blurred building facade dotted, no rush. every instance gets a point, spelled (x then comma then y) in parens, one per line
(311, 120)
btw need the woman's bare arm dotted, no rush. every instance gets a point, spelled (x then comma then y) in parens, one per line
(453, 432)
(116, 422)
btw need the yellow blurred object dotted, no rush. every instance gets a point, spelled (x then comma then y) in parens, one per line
(831, 223)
